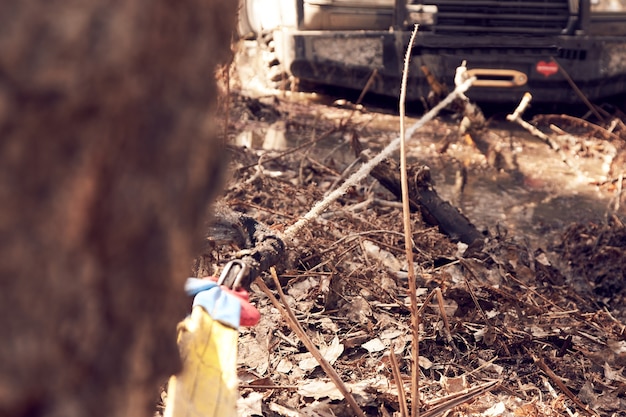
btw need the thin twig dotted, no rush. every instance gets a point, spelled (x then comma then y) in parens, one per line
(237, 202)
(343, 175)
(459, 398)
(618, 192)
(395, 370)
(368, 84)
(593, 128)
(425, 303)
(554, 394)
(227, 104)
(516, 117)
(256, 387)
(577, 90)
(554, 377)
(470, 290)
(406, 220)
(446, 324)
(291, 150)
(293, 323)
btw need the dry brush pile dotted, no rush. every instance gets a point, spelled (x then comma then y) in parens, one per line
(505, 329)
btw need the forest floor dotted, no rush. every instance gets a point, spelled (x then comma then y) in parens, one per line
(530, 322)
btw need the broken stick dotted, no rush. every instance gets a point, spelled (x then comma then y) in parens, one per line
(516, 117)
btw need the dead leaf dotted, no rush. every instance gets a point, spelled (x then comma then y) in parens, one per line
(284, 366)
(374, 345)
(495, 410)
(425, 362)
(613, 374)
(329, 325)
(250, 405)
(320, 389)
(300, 290)
(254, 354)
(386, 258)
(330, 353)
(527, 410)
(357, 310)
(453, 385)
(390, 334)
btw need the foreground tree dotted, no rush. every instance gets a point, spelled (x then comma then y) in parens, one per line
(107, 161)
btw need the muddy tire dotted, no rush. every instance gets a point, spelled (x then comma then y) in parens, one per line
(257, 64)
(247, 26)
(276, 73)
(258, 67)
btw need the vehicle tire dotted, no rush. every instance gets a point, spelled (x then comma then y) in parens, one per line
(250, 23)
(257, 51)
(259, 68)
(276, 72)
(247, 26)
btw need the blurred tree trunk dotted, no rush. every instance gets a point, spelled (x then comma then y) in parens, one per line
(107, 162)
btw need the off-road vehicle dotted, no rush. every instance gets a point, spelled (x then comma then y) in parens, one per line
(550, 48)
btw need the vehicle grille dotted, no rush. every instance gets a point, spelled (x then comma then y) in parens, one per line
(540, 17)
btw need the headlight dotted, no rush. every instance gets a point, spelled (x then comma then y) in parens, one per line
(608, 6)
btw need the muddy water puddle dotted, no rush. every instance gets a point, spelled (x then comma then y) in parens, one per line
(535, 195)
(502, 205)
(536, 199)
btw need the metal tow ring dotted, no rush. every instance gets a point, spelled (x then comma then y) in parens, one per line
(230, 276)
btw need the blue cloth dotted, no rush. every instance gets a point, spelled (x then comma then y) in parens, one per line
(219, 304)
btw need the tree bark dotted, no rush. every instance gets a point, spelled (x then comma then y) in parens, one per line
(107, 162)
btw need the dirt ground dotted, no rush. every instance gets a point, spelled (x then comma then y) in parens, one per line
(530, 323)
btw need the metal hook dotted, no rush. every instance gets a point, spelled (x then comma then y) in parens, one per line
(226, 277)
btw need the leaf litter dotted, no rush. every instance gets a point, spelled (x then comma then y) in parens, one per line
(521, 330)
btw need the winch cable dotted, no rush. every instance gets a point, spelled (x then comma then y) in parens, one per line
(366, 168)
(207, 339)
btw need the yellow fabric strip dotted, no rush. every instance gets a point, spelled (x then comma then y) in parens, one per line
(207, 386)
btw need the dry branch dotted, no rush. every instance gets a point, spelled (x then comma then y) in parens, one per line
(395, 368)
(542, 365)
(577, 122)
(516, 117)
(577, 90)
(408, 244)
(293, 323)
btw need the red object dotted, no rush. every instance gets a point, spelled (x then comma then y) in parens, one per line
(250, 316)
(547, 68)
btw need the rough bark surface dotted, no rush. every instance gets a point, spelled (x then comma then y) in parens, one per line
(107, 161)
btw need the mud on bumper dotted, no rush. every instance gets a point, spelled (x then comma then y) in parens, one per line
(347, 59)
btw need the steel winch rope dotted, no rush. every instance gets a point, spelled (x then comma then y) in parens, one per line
(319, 207)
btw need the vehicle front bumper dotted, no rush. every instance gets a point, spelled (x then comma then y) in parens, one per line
(597, 66)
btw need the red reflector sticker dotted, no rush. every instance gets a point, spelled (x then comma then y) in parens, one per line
(547, 68)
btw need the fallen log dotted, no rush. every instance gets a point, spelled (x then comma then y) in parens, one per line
(423, 197)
